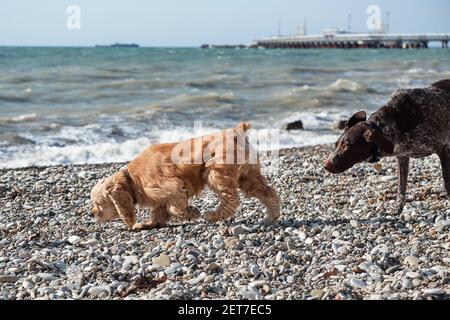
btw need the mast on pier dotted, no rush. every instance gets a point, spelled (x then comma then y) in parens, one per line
(349, 27)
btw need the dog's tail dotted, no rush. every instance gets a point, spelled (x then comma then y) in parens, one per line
(243, 127)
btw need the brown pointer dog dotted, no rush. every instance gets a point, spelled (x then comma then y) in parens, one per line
(415, 123)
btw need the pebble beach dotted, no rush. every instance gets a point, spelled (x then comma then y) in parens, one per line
(339, 238)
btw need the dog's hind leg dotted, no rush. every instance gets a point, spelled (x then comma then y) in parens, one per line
(224, 183)
(179, 207)
(254, 184)
(184, 212)
(445, 163)
(402, 175)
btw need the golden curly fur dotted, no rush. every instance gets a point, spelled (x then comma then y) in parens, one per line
(153, 180)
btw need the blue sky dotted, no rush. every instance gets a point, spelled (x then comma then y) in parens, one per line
(193, 22)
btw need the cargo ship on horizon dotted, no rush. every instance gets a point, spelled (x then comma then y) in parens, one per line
(118, 45)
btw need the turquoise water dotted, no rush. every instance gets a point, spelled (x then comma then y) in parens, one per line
(78, 105)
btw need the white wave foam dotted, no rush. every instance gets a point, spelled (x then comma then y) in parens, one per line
(347, 85)
(306, 138)
(422, 71)
(183, 133)
(79, 154)
(20, 118)
(211, 98)
(317, 129)
(92, 147)
(43, 155)
(266, 140)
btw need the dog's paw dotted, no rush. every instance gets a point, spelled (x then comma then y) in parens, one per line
(144, 226)
(401, 201)
(194, 213)
(267, 221)
(138, 227)
(399, 208)
(211, 216)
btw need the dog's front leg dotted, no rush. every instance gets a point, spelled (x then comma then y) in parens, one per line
(402, 175)
(158, 219)
(444, 156)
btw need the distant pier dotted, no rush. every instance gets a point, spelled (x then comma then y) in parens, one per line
(224, 46)
(354, 40)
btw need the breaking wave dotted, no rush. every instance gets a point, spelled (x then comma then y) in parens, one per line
(209, 99)
(344, 85)
(20, 118)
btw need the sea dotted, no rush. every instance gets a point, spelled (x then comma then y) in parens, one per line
(96, 105)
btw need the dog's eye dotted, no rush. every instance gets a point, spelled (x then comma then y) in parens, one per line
(345, 145)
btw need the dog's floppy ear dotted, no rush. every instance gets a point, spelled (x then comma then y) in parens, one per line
(120, 195)
(375, 136)
(358, 117)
